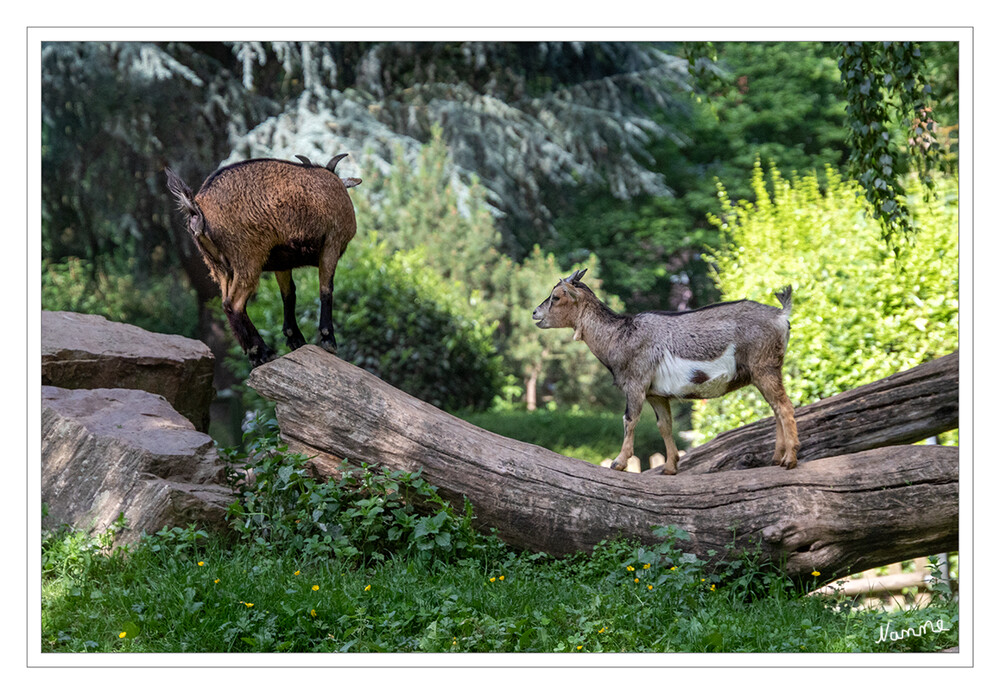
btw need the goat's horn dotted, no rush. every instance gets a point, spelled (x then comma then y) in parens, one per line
(304, 160)
(333, 162)
(575, 277)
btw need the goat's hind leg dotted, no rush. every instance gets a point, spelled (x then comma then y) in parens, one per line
(290, 328)
(234, 303)
(786, 445)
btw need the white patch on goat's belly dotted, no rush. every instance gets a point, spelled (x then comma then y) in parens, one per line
(687, 378)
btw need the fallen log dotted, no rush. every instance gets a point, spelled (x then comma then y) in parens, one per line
(907, 407)
(836, 516)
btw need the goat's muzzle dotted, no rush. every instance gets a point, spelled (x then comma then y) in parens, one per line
(538, 316)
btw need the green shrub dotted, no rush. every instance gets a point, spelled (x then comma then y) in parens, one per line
(363, 516)
(859, 314)
(160, 304)
(395, 318)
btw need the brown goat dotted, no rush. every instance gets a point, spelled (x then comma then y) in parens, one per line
(269, 214)
(661, 355)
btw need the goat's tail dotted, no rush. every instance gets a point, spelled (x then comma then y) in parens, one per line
(785, 298)
(196, 225)
(182, 194)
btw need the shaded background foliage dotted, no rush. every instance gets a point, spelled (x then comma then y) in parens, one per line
(490, 169)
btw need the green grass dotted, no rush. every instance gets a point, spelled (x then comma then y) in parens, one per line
(242, 601)
(588, 435)
(377, 562)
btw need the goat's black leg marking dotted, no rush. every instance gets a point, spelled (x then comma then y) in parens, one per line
(246, 334)
(234, 303)
(290, 328)
(327, 340)
(327, 269)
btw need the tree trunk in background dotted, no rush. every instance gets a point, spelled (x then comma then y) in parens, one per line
(837, 515)
(531, 390)
(907, 407)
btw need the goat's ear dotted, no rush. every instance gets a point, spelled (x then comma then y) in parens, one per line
(351, 182)
(572, 291)
(575, 277)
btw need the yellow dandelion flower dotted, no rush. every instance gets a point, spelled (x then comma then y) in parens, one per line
(579, 647)
(703, 580)
(500, 579)
(713, 587)
(368, 587)
(296, 573)
(315, 587)
(630, 568)
(650, 587)
(493, 579)
(602, 630)
(248, 604)
(216, 580)
(312, 612)
(815, 573)
(645, 566)
(636, 580)
(201, 563)
(673, 568)
(122, 635)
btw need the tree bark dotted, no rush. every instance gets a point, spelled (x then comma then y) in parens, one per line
(836, 516)
(907, 407)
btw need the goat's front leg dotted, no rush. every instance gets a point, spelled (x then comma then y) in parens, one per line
(633, 408)
(290, 328)
(665, 423)
(327, 268)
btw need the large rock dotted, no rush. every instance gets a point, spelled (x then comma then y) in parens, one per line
(85, 351)
(111, 450)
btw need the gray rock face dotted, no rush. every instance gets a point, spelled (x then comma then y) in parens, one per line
(85, 351)
(111, 450)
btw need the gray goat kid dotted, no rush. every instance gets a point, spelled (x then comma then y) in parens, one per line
(269, 214)
(661, 355)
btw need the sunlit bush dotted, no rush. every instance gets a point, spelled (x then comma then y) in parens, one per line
(859, 313)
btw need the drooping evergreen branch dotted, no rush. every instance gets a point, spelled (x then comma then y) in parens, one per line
(884, 88)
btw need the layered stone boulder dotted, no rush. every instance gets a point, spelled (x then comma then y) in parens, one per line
(86, 351)
(111, 451)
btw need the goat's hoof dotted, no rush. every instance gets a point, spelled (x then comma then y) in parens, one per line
(619, 465)
(330, 347)
(258, 358)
